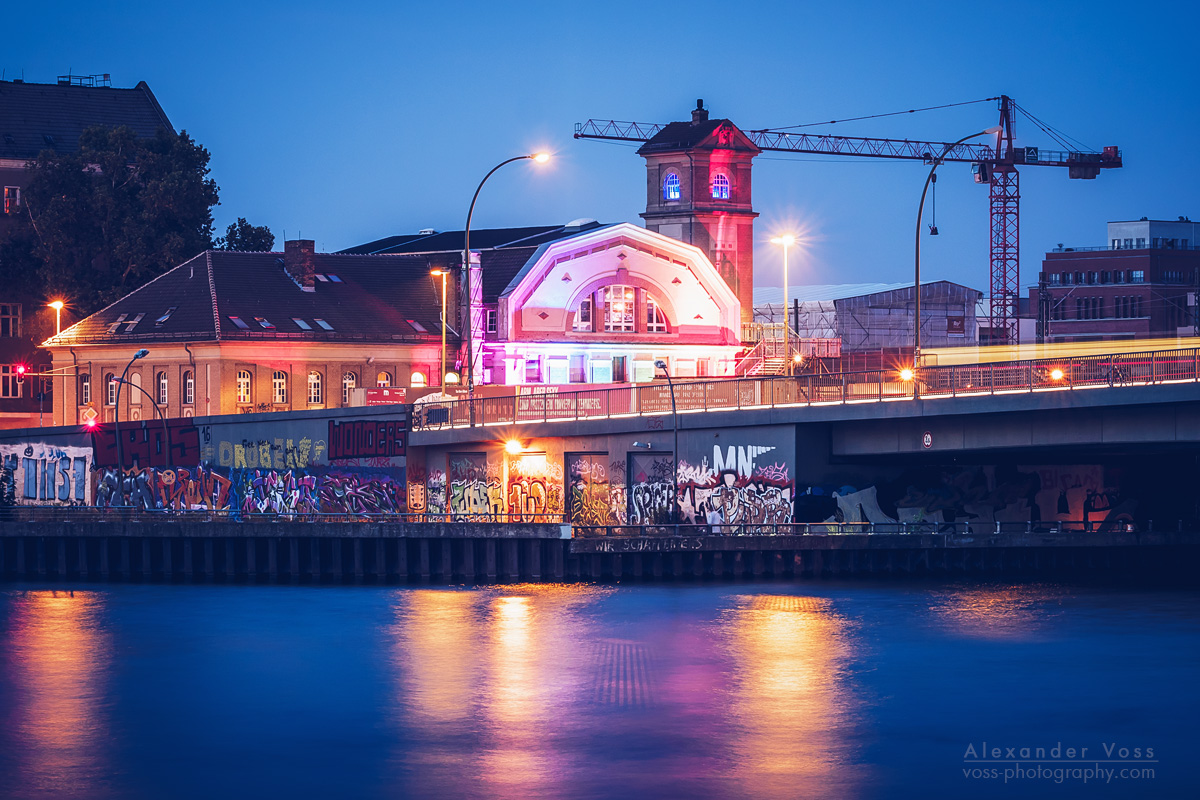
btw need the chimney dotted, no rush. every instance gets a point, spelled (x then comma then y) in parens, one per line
(300, 262)
(700, 113)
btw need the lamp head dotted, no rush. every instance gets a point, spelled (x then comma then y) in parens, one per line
(992, 130)
(513, 447)
(661, 364)
(787, 240)
(437, 273)
(57, 305)
(540, 158)
(141, 354)
(906, 374)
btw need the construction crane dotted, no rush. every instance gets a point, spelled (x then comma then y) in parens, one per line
(995, 165)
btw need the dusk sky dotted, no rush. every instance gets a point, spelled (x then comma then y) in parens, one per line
(352, 121)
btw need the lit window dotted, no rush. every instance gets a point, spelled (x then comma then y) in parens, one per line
(1137, 276)
(491, 320)
(135, 382)
(349, 381)
(266, 326)
(418, 380)
(671, 186)
(583, 317)
(720, 187)
(9, 386)
(656, 320)
(10, 319)
(85, 389)
(189, 388)
(323, 324)
(315, 395)
(533, 370)
(301, 324)
(618, 308)
(12, 199)
(383, 379)
(238, 321)
(110, 389)
(243, 387)
(279, 388)
(161, 380)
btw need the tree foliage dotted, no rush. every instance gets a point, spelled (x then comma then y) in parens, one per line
(100, 222)
(246, 238)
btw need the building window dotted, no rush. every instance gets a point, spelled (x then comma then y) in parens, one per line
(12, 199)
(702, 368)
(1141, 244)
(618, 308)
(533, 370)
(578, 369)
(349, 381)
(720, 187)
(160, 381)
(383, 379)
(656, 320)
(110, 389)
(1052, 278)
(189, 388)
(9, 387)
(671, 186)
(1119, 276)
(1137, 276)
(243, 387)
(491, 320)
(85, 389)
(1091, 278)
(1066, 278)
(1105, 276)
(1127, 244)
(10, 319)
(1079, 279)
(418, 380)
(315, 395)
(279, 389)
(1116, 244)
(583, 316)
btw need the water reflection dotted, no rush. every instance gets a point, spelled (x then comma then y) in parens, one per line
(1006, 612)
(60, 659)
(791, 700)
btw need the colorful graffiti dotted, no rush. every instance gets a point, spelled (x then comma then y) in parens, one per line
(41, 473)
(650, 489)
(534, 487)
(588, 489)
(474, 494)
(435, 492)
(142, 443)
(735, 488)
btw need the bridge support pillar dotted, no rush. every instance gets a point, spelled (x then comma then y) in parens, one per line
(489, 559)
(187, 559)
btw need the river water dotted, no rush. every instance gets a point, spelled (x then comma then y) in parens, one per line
(817, 690)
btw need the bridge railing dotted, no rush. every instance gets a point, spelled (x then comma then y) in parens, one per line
(975, 528)
(879, 385)
(84, 514)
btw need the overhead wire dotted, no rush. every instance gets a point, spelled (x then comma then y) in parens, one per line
(874, 116)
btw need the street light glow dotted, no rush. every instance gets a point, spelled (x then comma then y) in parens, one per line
(540, 158)
(1056, 374)
(906, 374)
(786, 239)
(57, 305)
(513, 447)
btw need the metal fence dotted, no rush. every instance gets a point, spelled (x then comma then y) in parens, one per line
(879, 385)
(846, 528)
(120, 514)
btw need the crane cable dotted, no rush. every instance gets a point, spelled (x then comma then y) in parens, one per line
(874, 116)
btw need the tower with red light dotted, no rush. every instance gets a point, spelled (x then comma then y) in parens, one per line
(698, 191)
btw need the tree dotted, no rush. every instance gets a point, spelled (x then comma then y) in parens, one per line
(100, 222)
(244, 237)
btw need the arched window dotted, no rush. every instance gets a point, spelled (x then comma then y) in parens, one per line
(418, 380)
(189, 388)
(110, 389)
(618, 304)
(315, 395)
(720, 187)
(85, 389)
(383, 379)
(279, 380)
(671, 186)
(349, 381)
(161, 379)
(243, 387)
(656, 320)
(135, 396)
(583, 315)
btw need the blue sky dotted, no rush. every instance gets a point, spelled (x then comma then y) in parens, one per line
(352, 121)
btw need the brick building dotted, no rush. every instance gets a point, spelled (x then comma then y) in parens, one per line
(1141, 285)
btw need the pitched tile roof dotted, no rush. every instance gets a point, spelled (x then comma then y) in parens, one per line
(686, 135)
(362, 298)
(42, 116)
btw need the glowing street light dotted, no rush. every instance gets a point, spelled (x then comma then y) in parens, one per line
(514, 447)
(1056, 374)
(906, 374)
(57, 305)
(787, 240)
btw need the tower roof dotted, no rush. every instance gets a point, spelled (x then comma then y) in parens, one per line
(700, 133)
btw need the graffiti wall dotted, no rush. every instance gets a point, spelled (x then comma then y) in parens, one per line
(475, 493)
(275, 464)
(589, 492)
(534, 486)
(738, 477)
(650, 489)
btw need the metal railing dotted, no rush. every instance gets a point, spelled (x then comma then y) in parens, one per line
(848, 528)
(84, 514)
(879, 385)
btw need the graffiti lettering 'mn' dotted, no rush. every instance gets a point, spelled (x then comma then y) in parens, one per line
(363, 439)
(739, 459)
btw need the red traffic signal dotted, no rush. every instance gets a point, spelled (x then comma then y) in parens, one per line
(20, 369)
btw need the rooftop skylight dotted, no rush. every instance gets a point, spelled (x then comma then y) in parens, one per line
(420, 328)
(239, 322)
(304, 326)
(130, 325)
(166, 316)
(322, 323)
(265, 323)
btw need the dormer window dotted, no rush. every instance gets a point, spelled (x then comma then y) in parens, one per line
(671, 186)
(720, 187)
(583, 316)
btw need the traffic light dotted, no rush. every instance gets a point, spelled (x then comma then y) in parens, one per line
(20, 370)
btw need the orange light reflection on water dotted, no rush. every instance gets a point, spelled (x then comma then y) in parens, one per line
(61, 659)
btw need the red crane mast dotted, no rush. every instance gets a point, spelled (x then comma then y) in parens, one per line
(995, 165)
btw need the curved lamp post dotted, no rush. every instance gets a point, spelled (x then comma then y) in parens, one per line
(937, 162)
(467, 328)
(117, 414)
(787, 241)
(162, 416)
(660, 364)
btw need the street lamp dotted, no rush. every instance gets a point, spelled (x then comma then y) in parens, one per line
(917, 279)
(57, 305)
(161, 415)
(660, 364)
(117, 418)
(442, 274)
(468, 328)
(787, 241)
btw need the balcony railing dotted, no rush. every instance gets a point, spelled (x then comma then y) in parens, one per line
(870, 386)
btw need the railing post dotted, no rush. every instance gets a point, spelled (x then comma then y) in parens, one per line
(1110, 370)
(1153, 365)
(843, 387)
(992, 377)
(545, 407)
